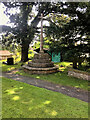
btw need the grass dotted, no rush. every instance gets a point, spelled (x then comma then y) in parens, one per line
(59, 78)
(65, 64)
(6, 68)
(21, 100)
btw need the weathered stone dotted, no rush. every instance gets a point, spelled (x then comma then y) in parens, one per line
(41, 60)
(42, 55)
(79, 74)
(31, 70)
(41, 64)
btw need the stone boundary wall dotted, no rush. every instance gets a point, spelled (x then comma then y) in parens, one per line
(79, 74)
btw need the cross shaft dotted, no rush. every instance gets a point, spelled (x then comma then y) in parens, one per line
(41, 39)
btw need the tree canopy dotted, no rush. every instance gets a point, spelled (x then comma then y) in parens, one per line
(69, 31)
(68, 25)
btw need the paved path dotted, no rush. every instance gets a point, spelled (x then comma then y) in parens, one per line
(70, 91)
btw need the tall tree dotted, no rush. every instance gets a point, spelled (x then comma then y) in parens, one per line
(21, 31)
(69, 33)
(24, 33)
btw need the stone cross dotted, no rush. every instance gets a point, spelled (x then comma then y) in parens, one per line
(41, 39)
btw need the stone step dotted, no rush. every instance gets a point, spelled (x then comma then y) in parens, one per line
(31, 70)
(42, 56)
(40, 65)
(41, 60)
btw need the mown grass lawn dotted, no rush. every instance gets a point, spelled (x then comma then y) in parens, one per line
(20, 100)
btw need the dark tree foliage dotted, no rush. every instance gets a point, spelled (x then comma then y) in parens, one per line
(66, 34)
(21, 32)
(70, 33)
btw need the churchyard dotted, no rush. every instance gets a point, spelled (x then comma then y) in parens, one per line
(49, 79)
(40, 102)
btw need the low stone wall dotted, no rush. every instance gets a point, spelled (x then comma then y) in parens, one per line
(79, 74)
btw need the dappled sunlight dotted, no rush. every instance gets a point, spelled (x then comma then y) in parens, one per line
(38, 77)
(15, 98)
(18, 88)
(40, 105)
(11, 68)
(21, 88)
(6, 67)
(15, 88)
(11, 91)
(62, 68)
(77, 86)
(3, 65)
(52, 113)
(47, 102)
(29, 101)
(30, 108)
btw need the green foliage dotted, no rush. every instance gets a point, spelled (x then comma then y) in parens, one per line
(64, 64)
(54, 45)
(36, 45)
(30, 54)
(68, 30)
(68, 21)
(22, 100)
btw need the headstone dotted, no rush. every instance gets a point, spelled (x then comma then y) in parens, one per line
(10, 61)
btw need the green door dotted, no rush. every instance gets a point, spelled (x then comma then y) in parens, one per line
(56, 57)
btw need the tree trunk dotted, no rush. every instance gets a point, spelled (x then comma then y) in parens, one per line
(24, 52)
(75, 64)
(79, 64)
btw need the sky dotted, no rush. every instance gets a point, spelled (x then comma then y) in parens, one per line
(3, 18)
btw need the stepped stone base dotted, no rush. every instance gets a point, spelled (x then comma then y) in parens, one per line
(41, 64)
(39, 70)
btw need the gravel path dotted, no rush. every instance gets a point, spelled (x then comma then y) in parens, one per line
(69, 91)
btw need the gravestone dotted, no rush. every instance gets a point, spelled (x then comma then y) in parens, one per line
(41, 63)
(10, 61)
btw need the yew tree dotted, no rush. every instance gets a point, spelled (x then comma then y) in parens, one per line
(70, 28)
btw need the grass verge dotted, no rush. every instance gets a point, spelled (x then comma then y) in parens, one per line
(59, 78)
(21, 100)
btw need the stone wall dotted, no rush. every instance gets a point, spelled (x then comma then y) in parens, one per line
(79, 74)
